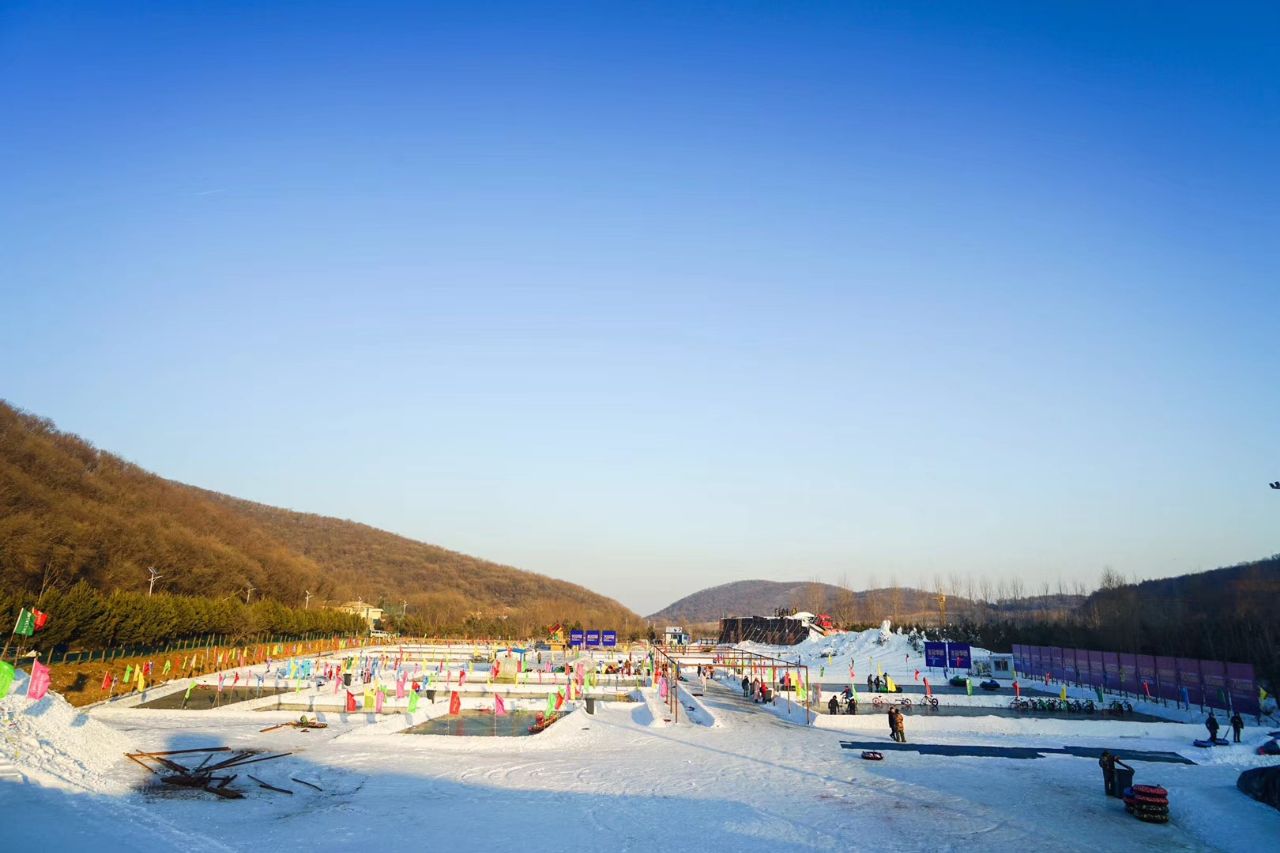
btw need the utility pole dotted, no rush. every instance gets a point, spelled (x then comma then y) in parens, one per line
(249, 588)
(942, 610)
(404, 608)
(306, 605)
(154, 577)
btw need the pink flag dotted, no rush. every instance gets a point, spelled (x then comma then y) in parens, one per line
(400, 688)
(377, 702)
(39, 681)
(336, 681)
(499, 709)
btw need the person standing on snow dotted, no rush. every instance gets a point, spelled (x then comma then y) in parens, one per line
(1108, 764)
(893, 723)
(1212, 725)
(900, 727)
(834, 705)
(1237, 725)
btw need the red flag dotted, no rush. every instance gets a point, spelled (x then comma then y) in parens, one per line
(1017, 691)
(499, 709)
(42, 618)
(106, 681)
(559, 699)
(455, 703)
(917, 675)
(928, 688)
(351, 703)
(39, 681)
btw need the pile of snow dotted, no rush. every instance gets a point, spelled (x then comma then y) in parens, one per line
(52, 743)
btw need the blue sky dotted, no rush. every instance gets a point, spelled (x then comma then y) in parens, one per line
(657, 296)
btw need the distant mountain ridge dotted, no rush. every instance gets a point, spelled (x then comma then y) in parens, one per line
(70, 512)
(763, 597)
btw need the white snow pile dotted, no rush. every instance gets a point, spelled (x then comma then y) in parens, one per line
(52, 743)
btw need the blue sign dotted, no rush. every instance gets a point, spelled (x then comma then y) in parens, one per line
(935, 654)
(608, 639)
(575, 638)
(593, 637)
(958, 656)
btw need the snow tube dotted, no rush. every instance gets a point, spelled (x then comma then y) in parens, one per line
(1271, 747)
(872, 755)
(1149, 791)
(1221, 741)
(1148, 817)
(1140, 800)
(1203, 744)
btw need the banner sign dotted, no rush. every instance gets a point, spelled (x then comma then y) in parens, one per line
(593, 637)
(576, 638)
(958, 656)
(608, 639)
(935, 654)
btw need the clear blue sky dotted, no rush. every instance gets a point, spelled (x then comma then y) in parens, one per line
(657, 296)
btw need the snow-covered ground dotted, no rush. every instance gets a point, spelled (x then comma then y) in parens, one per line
(729, 775)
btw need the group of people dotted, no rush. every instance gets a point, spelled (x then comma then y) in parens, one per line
(877, 683)
(756, 690)
(897, 725)
(1237, 725)
(844, 699)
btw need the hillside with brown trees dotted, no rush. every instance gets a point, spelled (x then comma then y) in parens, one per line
(70, 512)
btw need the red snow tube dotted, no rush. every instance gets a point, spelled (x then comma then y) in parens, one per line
(872, 755)
(1150, 791)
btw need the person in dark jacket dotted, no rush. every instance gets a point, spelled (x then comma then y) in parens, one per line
(834, 705)
(1237, 726)
(746, 686)
(1212, 725)
(1108, 764)
(893, 723)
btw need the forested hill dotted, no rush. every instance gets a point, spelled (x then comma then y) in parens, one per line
(71, 512)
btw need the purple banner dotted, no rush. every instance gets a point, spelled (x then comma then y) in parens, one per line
(1167, 676)
(1055, 662)
(1147, 677)
(1082, 666)
(1242, 687)
(1128, 679)
(1069, 670)
(1214, 674)
(1189, 677)
(1096, 669)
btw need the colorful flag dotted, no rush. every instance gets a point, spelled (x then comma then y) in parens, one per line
(499, 709)
(968, 686)
(128, 674)
(168, 665)
(6, 678)
(551, 704)
(368, 699)
(106, 681)
(26, 625)
(559, 699)
(1062, 694)
(351, 702)
(39, 681)
(41, 619)
(413, 702)
(455, 703)
(377, 701)
(187, 695)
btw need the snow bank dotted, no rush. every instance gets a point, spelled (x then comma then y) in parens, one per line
(52, 743)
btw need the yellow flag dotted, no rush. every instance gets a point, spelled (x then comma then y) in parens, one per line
(1063, 694)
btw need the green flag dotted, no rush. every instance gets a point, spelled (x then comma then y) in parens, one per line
(413, 702)
(6, 678)
(190, 687)
(26, 623)
(968, 686)
(128, 674)
(551, 704)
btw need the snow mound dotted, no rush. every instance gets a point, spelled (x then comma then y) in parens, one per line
(52, 743)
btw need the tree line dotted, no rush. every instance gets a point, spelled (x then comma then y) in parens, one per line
(83, 617)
